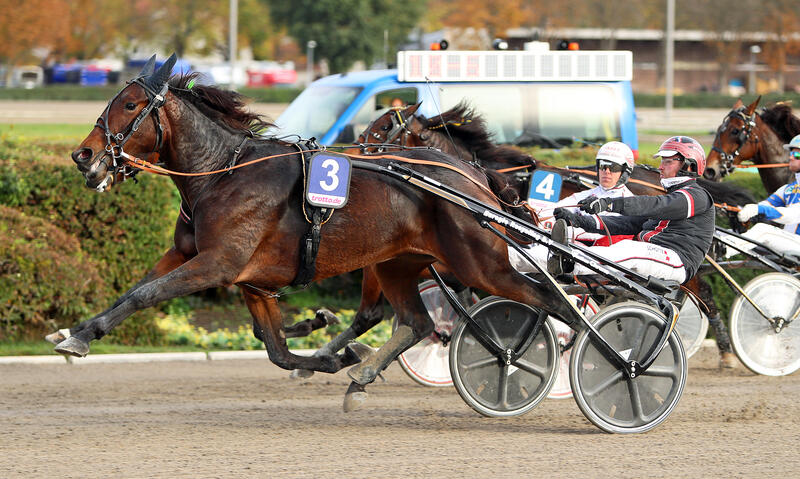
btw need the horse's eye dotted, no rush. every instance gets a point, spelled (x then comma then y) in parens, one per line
(385, 127)
(735, 131)
(130, 106)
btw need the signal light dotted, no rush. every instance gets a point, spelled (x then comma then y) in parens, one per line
(568, 45)
(440, 45)
(500, 44)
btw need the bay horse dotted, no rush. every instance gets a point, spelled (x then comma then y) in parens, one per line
(748, 135)
(462, 132)
(246, 226)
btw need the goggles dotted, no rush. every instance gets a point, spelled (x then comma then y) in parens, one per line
(608, 165)
(794, 154)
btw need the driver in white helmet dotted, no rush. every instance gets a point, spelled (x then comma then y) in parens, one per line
(615, 164)
(782, 207)
(673, 231)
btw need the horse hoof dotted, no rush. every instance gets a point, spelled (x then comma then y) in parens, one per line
(301, 374)
(354, 398)
(327, 316)
(58, 336)
(73, 346)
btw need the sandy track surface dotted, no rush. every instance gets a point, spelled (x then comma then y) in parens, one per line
(245, 418)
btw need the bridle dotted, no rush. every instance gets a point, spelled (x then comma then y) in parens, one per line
(116, 141)
(742, 138)
(399, 127)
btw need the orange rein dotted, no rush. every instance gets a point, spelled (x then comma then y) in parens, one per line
(151, 168)
(771, 165)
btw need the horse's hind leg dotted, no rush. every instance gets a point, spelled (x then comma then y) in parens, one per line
(267, 319)
(398, 279)
(369, 314)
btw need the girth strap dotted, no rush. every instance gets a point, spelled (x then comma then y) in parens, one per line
(316, 216)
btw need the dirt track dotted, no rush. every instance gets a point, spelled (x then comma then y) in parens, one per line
(247, 419)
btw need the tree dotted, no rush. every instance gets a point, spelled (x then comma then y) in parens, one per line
(347, 30)
(28, 25)
(780, 18)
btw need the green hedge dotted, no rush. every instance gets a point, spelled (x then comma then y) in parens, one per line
(77, 92)
(122, 232)
(710, 100)
(44, 275)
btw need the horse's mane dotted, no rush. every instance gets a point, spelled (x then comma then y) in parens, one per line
(782, 121)
(727, 192)
(223, 106)
(469, 127)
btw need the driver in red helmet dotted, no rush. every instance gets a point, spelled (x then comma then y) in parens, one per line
(673, 232)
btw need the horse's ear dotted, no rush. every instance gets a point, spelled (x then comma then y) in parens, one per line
(411, 110)
(148, 67)
(738, 104)
(752, 107)
(160, 77)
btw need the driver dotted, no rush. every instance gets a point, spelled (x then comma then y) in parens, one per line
(614, 161)
(673, 231)
(783, 207)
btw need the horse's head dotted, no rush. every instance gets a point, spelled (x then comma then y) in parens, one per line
(734, 142)
(398, 126)
(100, 156)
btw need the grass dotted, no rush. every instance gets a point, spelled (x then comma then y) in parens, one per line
(31, 348)
(49, 131)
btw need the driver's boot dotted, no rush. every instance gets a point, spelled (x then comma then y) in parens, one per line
(556, 264)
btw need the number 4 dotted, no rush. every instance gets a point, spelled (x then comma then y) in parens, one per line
(545, 187)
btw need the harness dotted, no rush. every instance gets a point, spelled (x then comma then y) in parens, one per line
(316, 217)
(741, 139)
(116, 141)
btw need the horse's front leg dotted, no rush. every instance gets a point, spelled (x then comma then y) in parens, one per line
(171, 260)
(200, 273)
(267, 318)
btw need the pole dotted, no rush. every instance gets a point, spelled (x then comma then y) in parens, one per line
(670, 57)
(234, 22)
(751, 81)
(310, 61)
(385, 48)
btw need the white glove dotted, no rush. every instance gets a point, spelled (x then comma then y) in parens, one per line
(747, 212)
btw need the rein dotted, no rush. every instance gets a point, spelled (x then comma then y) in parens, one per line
(158, 170)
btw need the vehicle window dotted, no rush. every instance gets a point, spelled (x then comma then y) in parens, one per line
(378, 104)
(315, 111)
(585, 112)
(541, 114)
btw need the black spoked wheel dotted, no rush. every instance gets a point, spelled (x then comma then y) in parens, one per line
(487, 383)
(605, 394)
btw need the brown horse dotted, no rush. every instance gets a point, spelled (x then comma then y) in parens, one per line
(462, 132)
(747, 135)
(247, 225)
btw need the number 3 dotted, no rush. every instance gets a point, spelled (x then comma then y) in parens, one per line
(333, 166)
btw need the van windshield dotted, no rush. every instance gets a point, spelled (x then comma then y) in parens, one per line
(314, 111)
(544, 114)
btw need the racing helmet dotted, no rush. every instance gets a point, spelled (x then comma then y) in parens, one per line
(689, 149)
(795, 143)
(617, 153)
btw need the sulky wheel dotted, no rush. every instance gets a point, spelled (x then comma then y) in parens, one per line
(772, 350)
(606, 395)
(427, 362)
(486, 382)
(692, 327)
(561, 388)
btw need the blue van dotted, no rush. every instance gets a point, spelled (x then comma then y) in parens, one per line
(526, 97)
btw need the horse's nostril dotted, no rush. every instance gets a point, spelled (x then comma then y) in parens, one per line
(82, 155)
